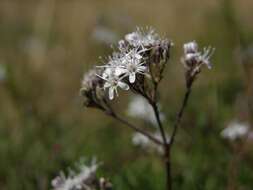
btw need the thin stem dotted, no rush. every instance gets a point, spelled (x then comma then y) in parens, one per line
(180, 114)
(166, 147)
(137, 129)
(157, 115)
(165, 142)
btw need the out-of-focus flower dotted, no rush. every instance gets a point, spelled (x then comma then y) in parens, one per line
(36, 50)
(139, 107)
(104, 35)
(235, 130)
(83, 179)
(143, 142)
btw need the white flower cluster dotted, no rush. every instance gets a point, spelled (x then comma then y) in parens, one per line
(194, 59)
(76, 181)
(140, 108)
(235, 130)
(142, 38)
(146, 144)
(122, 68)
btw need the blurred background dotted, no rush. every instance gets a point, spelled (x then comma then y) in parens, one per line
(46, 46)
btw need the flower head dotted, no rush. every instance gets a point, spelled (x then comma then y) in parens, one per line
(132, 64)
(127, 66)
(113, 81)
(193, 59)
(142, 37)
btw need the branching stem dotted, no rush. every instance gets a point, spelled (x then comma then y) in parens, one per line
(168, 145)
(137, 129)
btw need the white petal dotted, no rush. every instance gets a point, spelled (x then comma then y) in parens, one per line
(107, 72)
(142, 68)
(138, 56)
(123, 85)
(111, 93)
(107, 85)
(132, 77)
(120, 71)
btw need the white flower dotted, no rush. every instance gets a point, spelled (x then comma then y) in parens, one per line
(76, 181)
(142, 141)
(120, 66)
(142, 38)
(235, 130)
(113, 81)
(139, 107)
(131, 64)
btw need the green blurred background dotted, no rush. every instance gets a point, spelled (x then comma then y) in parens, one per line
(46, 46)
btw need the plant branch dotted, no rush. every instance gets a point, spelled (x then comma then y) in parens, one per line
(135, 128)
(158, 118)
(180, 113)
(165, 141)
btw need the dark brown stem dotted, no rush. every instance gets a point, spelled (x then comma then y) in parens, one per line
(166, 147)
(157, 115)
(180, 114)
(137, 129)
(164, 138)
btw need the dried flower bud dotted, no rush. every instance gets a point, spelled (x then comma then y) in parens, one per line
(193, 60)
(91, 89)
(158, 56)
(191, 47)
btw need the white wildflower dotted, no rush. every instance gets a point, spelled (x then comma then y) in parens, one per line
(76, 181)
(120, 66)
(142, 38)
(113, 81)
(131, 64)
(140, 139)
(139, 107)
(235, 130)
